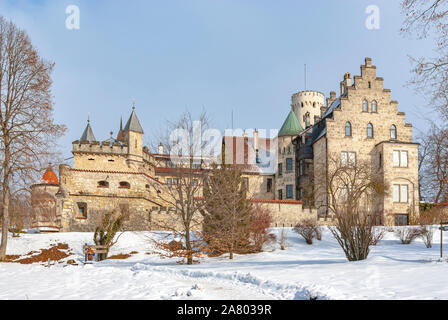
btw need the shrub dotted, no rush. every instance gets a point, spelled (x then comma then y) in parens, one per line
(377, 235)
(105, 232)
(427, 233)
(308, 229)
(408, 234)
(258, 230)
(283, 240)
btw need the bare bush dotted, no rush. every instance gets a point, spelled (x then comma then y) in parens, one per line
(308, 229)
(283, 239)
(408, 234)
(347, 192)
(377, 235)
(427, 233)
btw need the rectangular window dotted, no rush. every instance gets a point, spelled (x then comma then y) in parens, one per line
(289, 191)
(396, 192)
(246, 183)
(400, 193)
(82, 209)
(396, 158)
(195, 182)
(403, 193)
(401, 220)
(403, 158)
(400, 158)
(175, 181)
(380, 160)
(280, 169)
(280, 194)
(288, 164)
(344, 158)
(269, 185)
(352, 158)
(348, 158)
(169, 182)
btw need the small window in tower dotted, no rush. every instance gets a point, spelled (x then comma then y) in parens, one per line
(111, 160)
(374, 106)
(369, 130)
(124, 185)
(82, 210)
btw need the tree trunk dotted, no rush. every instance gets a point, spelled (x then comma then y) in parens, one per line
(188, 246)
(5, 203)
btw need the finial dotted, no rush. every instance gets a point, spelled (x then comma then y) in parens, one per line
(133, 104)
(111, 134)
(88, 117)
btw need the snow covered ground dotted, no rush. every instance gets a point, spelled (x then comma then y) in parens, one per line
(392, 271)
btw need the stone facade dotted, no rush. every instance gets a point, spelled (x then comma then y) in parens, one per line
(365, 124)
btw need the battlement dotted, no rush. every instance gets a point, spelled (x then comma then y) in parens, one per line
(99, 147)
(309, 93)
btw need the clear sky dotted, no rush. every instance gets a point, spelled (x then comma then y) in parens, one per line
(219, 55)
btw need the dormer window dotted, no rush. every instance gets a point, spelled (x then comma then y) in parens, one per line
(103, 184)
(125, 185)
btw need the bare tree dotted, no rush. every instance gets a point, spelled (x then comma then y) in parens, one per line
(429, 18)
(434, 165)
(348, 191)
(188, 170)
(27, 130)
(308, 229)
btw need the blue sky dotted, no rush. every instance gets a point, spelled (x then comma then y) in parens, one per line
(242, 55)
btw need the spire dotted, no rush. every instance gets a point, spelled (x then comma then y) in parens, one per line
(291, 126)
(88, 132)
(133, 124)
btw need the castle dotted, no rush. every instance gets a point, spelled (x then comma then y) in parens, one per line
(362, 123)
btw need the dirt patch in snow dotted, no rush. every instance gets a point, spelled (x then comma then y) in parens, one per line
(120, 256)
(56, 252)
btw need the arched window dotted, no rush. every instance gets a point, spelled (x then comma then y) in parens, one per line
(103, 184)
(365, 106)
(373, 106)
(348, 129)
(393, 132)
(125, 185)
(369, 130)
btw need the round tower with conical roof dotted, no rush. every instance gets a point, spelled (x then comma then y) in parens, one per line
(286, 166)
(44, 204)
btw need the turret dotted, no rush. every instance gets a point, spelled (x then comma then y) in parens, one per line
(306, 106)
(133, 135)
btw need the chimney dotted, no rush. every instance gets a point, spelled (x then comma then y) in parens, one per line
(160, 148)
(256, 140)
(368, 62)
(347, 80)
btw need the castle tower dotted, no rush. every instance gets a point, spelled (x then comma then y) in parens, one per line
(133, 135)
(87, 135)
(286, 164)
(306, 106)
(45, 217)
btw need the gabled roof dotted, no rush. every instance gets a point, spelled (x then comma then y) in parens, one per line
(133, 124)
(291, 126)
(88, 134)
